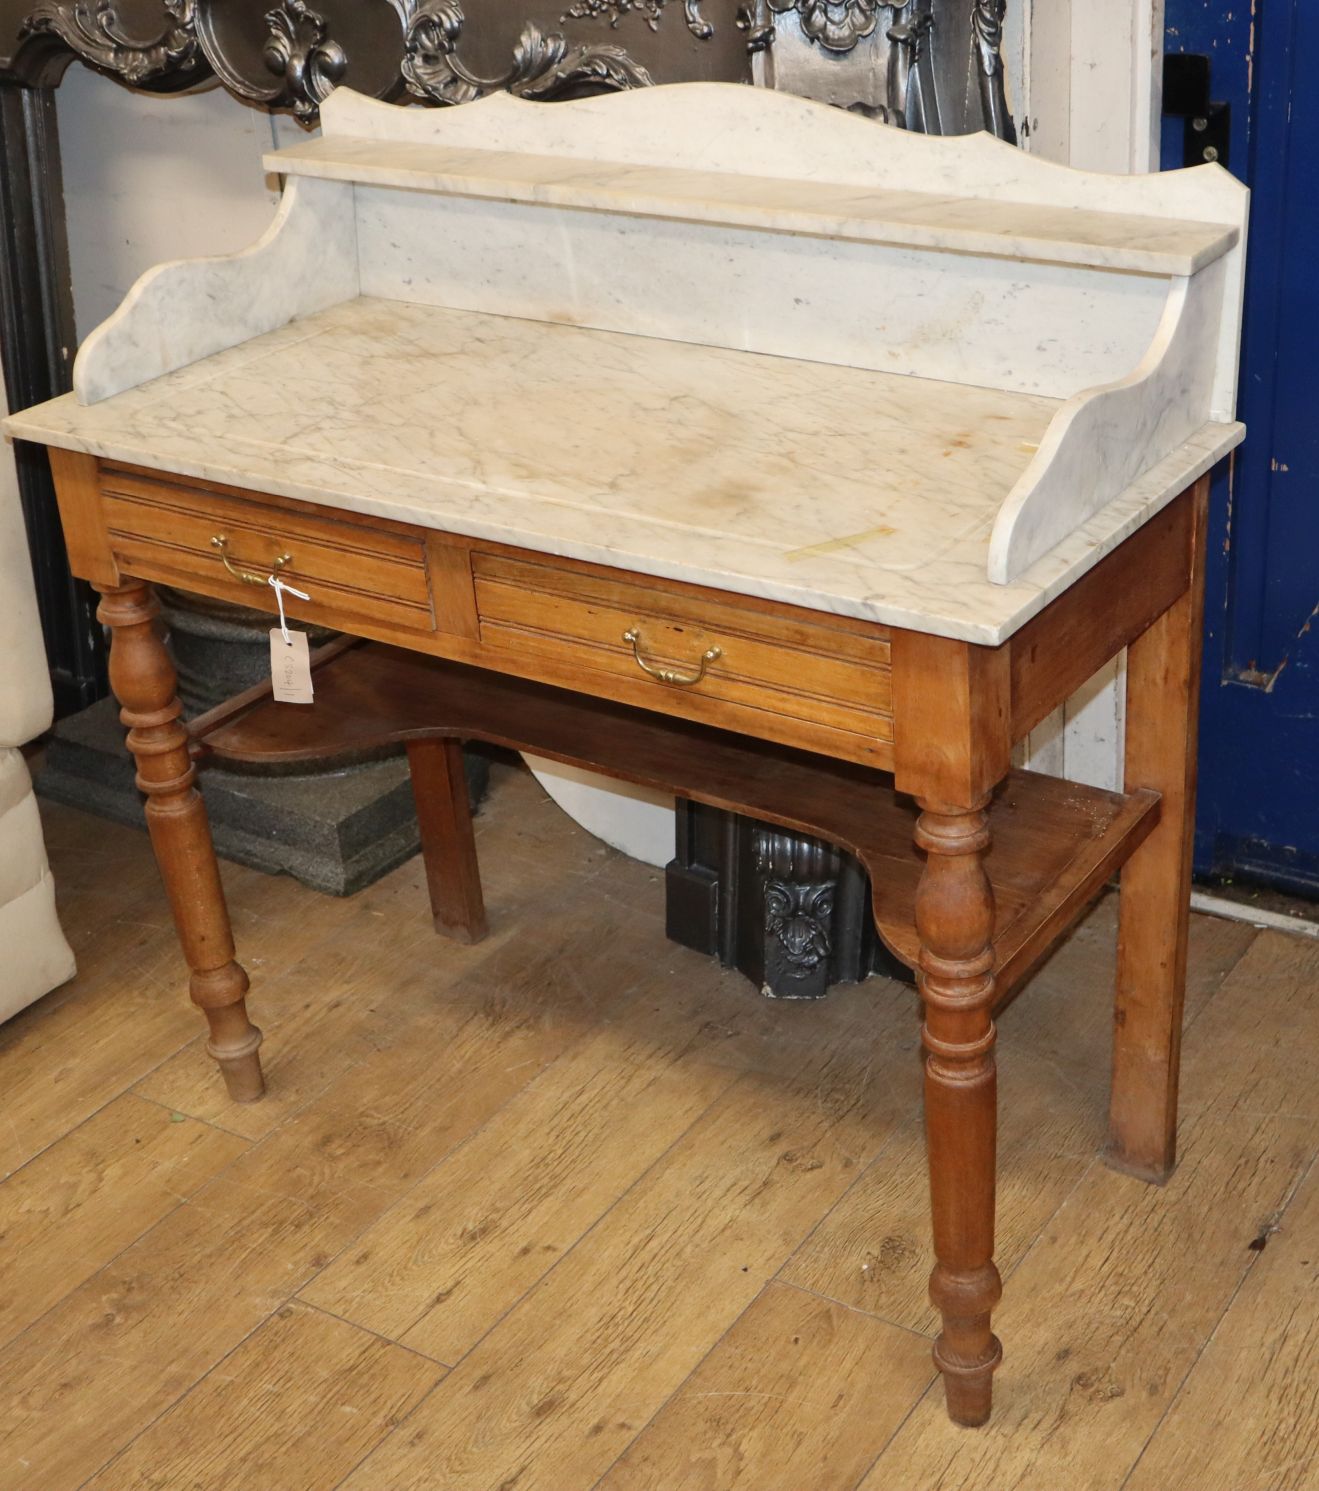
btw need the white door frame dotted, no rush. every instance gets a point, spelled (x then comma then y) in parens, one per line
(1088, 91)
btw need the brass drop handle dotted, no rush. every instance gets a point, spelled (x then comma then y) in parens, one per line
(670, 675)
(222, 544)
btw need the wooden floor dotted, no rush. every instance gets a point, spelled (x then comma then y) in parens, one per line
(574, 1209)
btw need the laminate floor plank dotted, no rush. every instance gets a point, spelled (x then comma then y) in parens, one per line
(317, 1013)
(467, 1242)
(1246, 1054)
(293, 1408)
(801, 1393)
(873, 1252)
(98, 867)
(91, 1194)
(1248, 1414)
(1065, 1014)
(1112, 1306)
(127, 1010)
(1247, 1417)
(551, 1396)
(112, 1025)
(321, 968)
(162, 1313)
(627, 1155)
(121, 1348)
(1105, 1317)
(317, 965)
(438, 1270)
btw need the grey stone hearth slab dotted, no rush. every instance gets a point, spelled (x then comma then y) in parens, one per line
(335, 831)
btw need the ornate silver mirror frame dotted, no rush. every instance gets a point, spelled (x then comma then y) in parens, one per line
(929, 64)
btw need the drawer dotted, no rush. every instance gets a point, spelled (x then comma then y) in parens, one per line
(833, 677)
(162, 528)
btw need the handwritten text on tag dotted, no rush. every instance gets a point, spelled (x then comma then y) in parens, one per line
(290, 667)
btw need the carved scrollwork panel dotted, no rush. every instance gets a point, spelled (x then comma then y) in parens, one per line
(929, 65)
(912, 89)
(699, 27)
(96, 31)
(289, 54)
(836, 25)
(800, 880)
(543, 66)
(987, 29)
(759, 31)
(651, 11)
(302, 54)
(932, 65)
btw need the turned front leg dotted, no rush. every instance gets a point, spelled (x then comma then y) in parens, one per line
(955, 920)
(144, 682)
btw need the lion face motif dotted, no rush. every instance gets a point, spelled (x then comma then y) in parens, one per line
(799, 916)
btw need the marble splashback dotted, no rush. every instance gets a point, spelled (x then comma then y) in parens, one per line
(759, 132)
(874, 384)
(756, 132)
(1100, 441)
(994, 322)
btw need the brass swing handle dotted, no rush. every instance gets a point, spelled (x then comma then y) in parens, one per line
(222, 544)
(670, 675)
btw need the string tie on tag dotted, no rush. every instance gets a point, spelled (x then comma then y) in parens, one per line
(280, 587)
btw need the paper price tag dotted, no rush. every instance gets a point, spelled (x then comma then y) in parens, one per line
(290, 667)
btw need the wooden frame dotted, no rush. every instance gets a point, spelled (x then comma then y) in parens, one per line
(1006, 864)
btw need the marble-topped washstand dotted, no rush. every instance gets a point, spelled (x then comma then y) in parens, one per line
(722, 442)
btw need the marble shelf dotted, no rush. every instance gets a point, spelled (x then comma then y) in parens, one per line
(857, 213)
(860, 493)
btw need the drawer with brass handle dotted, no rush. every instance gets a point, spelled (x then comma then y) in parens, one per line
(229, 544)
(705, 656)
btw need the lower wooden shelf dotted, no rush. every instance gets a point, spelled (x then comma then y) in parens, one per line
(1055, 844)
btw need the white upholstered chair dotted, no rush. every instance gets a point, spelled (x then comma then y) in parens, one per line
(34, 955)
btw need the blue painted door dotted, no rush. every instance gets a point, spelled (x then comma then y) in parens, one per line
(1259, 759)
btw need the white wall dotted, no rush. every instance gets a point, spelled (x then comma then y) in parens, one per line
(149, 177)
(1091, 81)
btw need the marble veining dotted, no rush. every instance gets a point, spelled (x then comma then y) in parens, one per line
(180, 312)
(759, 132)
(995, 322)
(866, 214)
(711, 333)
(855, 492)
(721, 132)
(1102, 439)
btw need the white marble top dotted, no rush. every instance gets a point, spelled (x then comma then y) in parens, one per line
(859, 493)
(861, 213)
